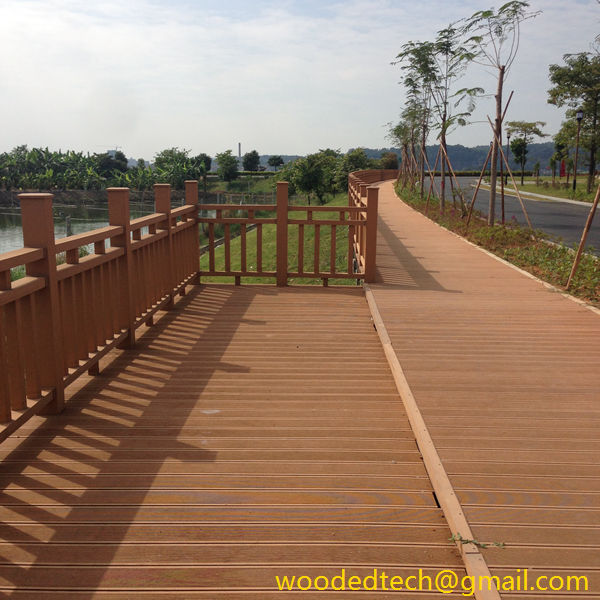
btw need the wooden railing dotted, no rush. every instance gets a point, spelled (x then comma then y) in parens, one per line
(58, 321)
(359, 218)
(361, 195)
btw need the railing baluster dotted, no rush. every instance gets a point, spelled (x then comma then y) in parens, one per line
(243, 261)
(317, 257)
(259, 265)
(5, 414)
(227, 248)
(351, 248)
(211, 247)
(301, 249)
(16, 380)
(332, 254)
(32, 378)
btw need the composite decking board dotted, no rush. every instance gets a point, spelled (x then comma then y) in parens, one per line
(505, 373)
(251, 432)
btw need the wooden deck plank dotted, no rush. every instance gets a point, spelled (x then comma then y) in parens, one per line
(505, 373)
(244, 437)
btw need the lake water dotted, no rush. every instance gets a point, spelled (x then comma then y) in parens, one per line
(83, 218)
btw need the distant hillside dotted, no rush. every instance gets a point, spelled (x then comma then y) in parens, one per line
(467, 159)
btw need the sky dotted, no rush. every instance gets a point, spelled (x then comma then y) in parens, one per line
(281, 77)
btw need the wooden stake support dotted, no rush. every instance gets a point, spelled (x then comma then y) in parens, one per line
(584, 235)
(511, 177)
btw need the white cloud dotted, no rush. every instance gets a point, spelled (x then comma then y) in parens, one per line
(281, 77)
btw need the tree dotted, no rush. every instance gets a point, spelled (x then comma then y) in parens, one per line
(524, 131)
(432, 69)
(203, 162)
(577, 85)
(251, 161)
(451, 58)
(109, 162)
(275, 161)
(418, 66)
(389, 160)
(494, 41)
(174, 166)
(353, 160)
(316, 174)
(518, 147)
(227, 165)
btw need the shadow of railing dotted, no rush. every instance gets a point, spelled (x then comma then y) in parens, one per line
(398, 267)
(80, 488)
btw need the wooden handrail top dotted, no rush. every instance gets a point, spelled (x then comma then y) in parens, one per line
(21, 288)
(340, 209)
(146, 221)
(86, 263)
(184, 210)
(269, 207)
(83, 239)
(232, 220)
(347, 222)
(16, 258)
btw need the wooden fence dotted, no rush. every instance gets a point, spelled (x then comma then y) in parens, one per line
(60, 319)
(359, 218)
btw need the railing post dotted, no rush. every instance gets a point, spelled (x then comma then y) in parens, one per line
(191, 199)
(371, 235)
(282, 233)
(162, 204)
(38, 232)
(118, 214)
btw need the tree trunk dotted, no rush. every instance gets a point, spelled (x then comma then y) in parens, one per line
(494, 165)
(522, 172)
(592, 171)
(423, 156)
(443, 164)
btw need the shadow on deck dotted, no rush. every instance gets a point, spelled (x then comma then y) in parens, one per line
(252, 432)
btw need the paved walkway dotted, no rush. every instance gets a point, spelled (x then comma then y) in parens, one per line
(506, 374)
(252, 432)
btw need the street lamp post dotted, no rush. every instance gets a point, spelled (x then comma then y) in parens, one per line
(507, 149)
(579, 117)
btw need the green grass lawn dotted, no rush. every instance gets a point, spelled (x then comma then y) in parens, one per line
(269, 246)
(546, 189)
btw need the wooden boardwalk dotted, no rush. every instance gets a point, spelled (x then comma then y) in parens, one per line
(506, 374)
(256, 432)
(252, 432)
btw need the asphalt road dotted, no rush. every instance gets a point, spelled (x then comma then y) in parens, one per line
(562, 221)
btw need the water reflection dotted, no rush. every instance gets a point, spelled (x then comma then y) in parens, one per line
(83, 218)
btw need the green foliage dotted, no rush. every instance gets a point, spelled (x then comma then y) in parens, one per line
(316, 174)
(275, 161)
(518, 147)
(251, 161)
(227, 165)
(354, 160)
(576, 84)
(494, 35)
(42, 169)
(175, 166)
(389, 160)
